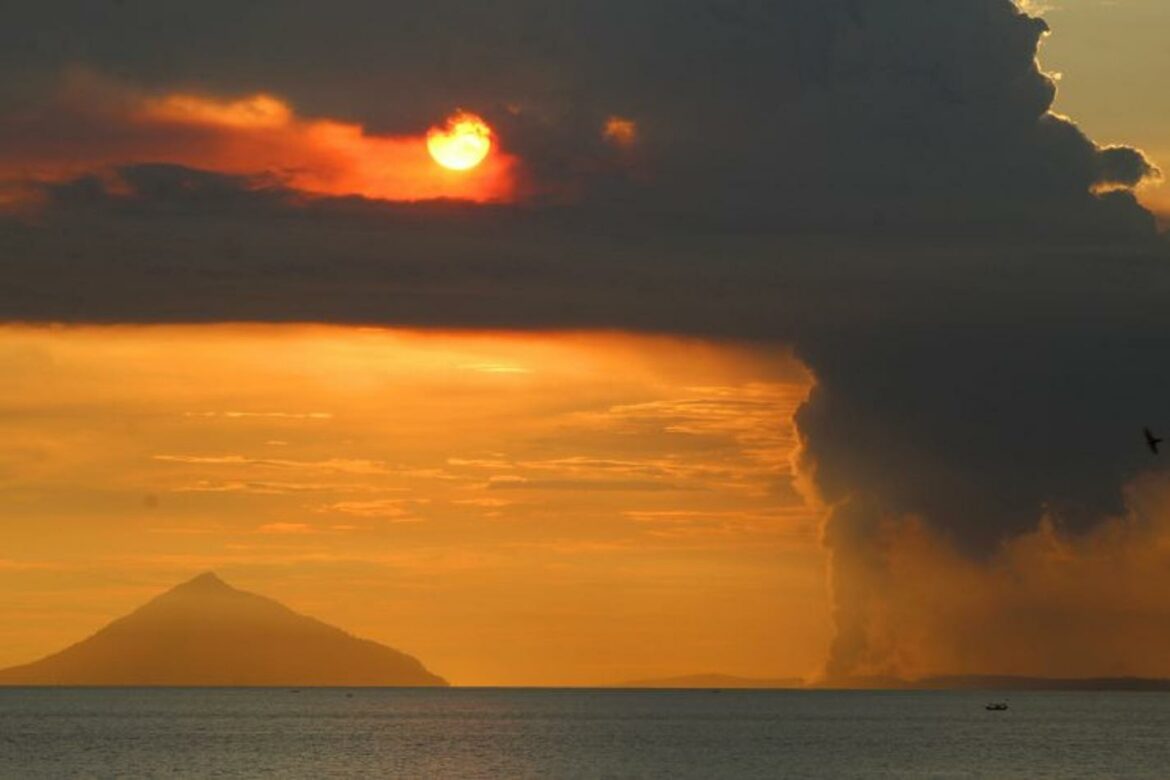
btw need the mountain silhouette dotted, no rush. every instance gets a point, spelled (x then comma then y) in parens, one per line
(204, 632)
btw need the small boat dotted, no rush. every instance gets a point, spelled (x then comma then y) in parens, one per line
(996, 706)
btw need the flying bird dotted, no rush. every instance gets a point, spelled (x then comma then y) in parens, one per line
(1152, 441)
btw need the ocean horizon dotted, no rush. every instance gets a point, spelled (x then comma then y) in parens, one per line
(577, 732)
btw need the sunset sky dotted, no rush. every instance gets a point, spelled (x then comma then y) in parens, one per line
(566, 344)
(513, 508)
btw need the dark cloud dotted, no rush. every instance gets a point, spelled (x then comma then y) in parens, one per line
(1123, 167)
(808, 112)
(879, 185)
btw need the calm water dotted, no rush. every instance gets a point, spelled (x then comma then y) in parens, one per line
(571, 733)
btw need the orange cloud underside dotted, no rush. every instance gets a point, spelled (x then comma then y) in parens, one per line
(620, 131)
(260, 135)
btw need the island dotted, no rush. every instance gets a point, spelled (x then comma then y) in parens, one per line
(204, 632)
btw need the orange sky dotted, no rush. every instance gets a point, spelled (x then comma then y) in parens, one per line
(257, 135)
(1111, 57)
(557, 509)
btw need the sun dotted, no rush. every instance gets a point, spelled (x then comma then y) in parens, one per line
(461, 143)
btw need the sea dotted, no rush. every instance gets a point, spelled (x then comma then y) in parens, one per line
(571, 733)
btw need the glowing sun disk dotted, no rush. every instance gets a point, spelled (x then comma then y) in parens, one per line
(461, 143)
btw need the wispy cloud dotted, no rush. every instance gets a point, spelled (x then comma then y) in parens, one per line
(268, 488)
(485, 503)
(496, 368)
(293, 529)
(321, 416)
(354, 466)
(400, 510)
(481, 463)
(633, 485)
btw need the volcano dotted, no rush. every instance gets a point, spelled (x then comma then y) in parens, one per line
(204, 632)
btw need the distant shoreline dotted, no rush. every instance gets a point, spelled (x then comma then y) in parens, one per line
(974, 682)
